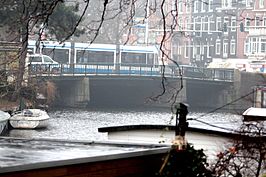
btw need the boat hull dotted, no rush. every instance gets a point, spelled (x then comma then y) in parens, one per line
(4, 117)
(30, 119)
(3, 126)
(29, 124)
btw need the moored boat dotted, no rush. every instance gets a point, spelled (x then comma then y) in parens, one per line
(255, 114)
(4, 117)
(29, 119)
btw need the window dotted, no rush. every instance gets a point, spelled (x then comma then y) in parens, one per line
(249, 3)
(188, 6)
(247, 47)
(219, 24)
(196, 5)
(233, 47)
(225, 48)
(211, 24)
(192, 27)
(180, 6)
(233, 24)
(226, 3)
(206, 22)
(264, 21)
(263, 45)
(88, 56)
(175, 50)
(180, 24)
(202, 47)
(247, 24)
(203, 4)
(218, 47)
(257, 21)
(60, 55)
(226, 21)
(136, 58)
(179, 49)
(194, 51)
(198, 52)
(198, 26)
(186, 50)
(208, 50)
(187, 23)
(202, 23)
(210, 5)
(254, 45)
(261, 3)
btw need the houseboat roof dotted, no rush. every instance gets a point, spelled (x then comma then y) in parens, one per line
(162, 127)
(254, 114)
(18, 154)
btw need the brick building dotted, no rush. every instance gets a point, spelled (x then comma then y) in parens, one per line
(211, 30)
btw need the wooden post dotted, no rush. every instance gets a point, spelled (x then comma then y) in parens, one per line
(181, 127)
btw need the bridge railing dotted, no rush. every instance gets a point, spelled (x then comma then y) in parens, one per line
(132, 70)
(200, 73)
(208, 73)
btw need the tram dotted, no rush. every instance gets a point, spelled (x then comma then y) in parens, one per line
(101, 58)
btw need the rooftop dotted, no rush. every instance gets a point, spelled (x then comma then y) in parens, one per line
(26, 154)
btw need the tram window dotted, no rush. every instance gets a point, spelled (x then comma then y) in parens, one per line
(101, 57)
(156, 60)
(133, 58)
(82, 56)
(59, 55)
(150, 59)
(95, 57)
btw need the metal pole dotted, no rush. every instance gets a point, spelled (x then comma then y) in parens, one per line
(147, 23)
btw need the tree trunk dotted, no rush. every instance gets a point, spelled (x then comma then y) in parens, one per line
(259, 164)
(22, 60)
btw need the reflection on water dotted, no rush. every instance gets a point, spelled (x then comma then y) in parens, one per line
(77, 124)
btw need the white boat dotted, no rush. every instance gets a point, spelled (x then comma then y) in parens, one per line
(255, 114)
(4, 117)
(29, 119)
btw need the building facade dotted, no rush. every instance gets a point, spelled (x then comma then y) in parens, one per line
(254, 34)
(210, 30)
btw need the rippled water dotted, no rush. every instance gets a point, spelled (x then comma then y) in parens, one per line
(78, 124)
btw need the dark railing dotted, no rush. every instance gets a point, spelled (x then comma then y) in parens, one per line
(132, 70)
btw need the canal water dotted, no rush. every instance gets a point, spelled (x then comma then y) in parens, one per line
(83, 124)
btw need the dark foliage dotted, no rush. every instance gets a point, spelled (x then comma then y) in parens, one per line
(186, 163)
